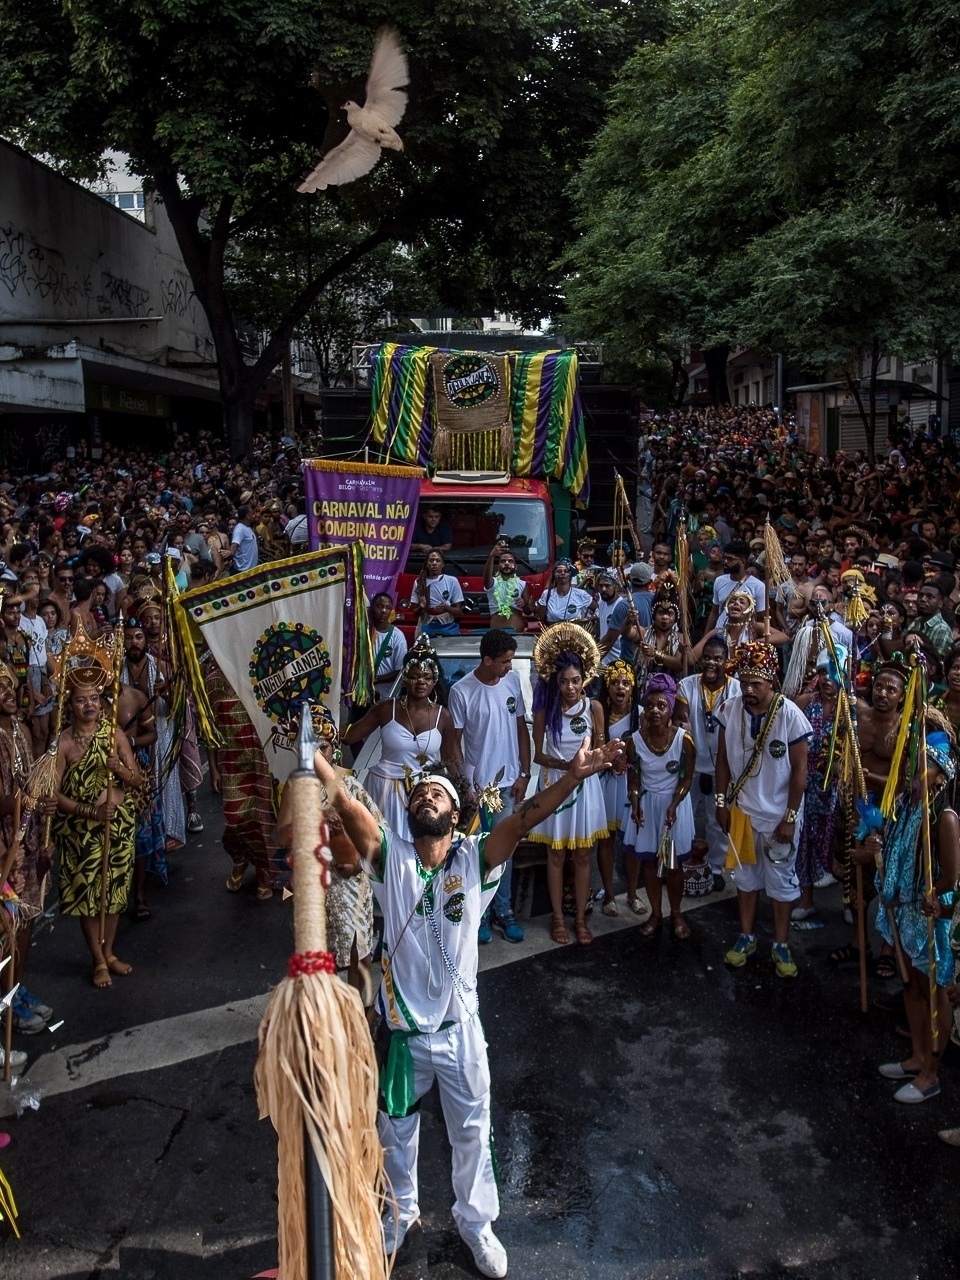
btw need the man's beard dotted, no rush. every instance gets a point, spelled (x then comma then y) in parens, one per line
(440, 824)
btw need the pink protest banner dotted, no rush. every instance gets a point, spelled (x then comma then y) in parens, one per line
(364, 502)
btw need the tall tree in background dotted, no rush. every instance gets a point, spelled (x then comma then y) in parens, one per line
(784, 175)
(213, 105)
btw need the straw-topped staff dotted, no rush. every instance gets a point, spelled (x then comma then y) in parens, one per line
(316, 1076)
(926, 846)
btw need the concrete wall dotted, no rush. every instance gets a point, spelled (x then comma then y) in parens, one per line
(67, 255)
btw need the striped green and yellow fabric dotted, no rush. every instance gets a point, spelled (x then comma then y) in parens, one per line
(549, 431)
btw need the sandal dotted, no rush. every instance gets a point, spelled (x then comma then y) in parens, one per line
(141, 912)
(584, 936)
(845, 954)
(558, 930)
(235, 878)
(610, 908)
(885, 967)
(636, 906)
(681, 930)
(264, 893)
(101, 968)
(652, 926)
(119, 967)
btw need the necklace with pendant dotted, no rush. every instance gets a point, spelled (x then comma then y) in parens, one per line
(421, 754)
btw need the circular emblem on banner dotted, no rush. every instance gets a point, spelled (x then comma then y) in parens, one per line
(578, 725)
(512, 705)
(778, 749)
(469, 380)
(289, 663)
(673, 766)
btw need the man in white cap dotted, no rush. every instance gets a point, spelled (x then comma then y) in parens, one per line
(432, 894)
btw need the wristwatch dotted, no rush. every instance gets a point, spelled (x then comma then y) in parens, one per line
(790, 816)
(523, 775)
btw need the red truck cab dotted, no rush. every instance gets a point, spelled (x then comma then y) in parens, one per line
(482, 508)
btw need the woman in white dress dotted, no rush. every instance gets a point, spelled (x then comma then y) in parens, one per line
(616, 698)
(415, 730)
(562, 718)
(662, 763)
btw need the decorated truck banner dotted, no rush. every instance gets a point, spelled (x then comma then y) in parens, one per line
(350, 502)
(544, 424)
(285, 632)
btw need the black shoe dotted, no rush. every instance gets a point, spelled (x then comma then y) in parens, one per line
(718, 882)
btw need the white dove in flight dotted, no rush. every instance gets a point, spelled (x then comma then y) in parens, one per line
(372, 125)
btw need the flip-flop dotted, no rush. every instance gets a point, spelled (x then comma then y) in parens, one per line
(681, 930)
(885, 967)
(141, 913)
(807, 926)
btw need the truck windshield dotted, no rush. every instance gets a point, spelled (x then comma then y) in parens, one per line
(477, 524)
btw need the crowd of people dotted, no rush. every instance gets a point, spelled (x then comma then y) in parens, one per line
(706, 690)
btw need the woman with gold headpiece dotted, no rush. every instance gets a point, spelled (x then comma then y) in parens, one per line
(96, 777)
(567, 658)
(616, 698)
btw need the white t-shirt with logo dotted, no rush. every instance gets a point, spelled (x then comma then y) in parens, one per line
(441, 591)
(487, 715)
(419, 992)
(763, 798)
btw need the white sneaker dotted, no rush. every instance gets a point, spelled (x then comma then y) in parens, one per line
(489, 1255)
(825, 881)
(394, 1233)
(18, 1059)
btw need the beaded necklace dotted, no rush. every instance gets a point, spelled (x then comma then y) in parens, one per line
(759, 742)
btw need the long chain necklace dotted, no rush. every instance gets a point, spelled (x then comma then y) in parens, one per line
(711, 701)
(456, 977)
(421, 750)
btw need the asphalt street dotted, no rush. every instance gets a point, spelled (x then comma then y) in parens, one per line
(656, 1114)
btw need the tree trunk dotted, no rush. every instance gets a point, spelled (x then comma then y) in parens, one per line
(238, 419)
(715, 359)
(872, 423)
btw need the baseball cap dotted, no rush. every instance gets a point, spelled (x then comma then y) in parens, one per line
(641, 572)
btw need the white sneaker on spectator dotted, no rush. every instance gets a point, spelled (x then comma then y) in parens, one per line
(489, 1255)
(825, 881)
(394, 1233)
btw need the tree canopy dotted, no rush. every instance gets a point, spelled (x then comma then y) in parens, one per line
(214, 106)
(784, 175)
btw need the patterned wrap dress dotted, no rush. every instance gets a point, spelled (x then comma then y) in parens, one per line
(246, 784)
(79, 841)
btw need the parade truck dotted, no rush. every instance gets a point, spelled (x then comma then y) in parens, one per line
(502, 438)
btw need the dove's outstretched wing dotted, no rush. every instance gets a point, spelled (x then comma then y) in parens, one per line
(354, 157)
(388, 74)
(372, 125)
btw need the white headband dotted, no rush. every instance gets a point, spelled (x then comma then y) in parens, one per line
(435, 778)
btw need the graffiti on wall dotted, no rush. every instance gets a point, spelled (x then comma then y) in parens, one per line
(30, 269)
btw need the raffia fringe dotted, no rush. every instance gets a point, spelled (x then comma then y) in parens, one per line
(370, 468)
(316, 1073)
